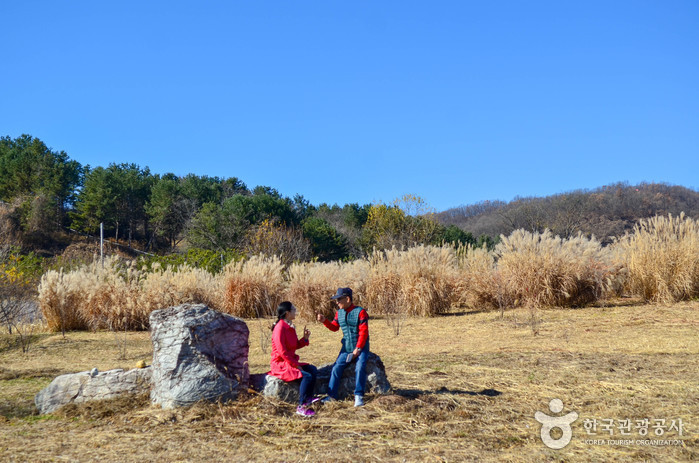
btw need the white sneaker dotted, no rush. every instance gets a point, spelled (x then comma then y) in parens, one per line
(358, 401)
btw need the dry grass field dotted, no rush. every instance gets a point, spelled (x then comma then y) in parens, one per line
(466, 388)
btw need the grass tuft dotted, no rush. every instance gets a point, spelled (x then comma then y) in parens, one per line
(253, 288)
(662, 258)
(417, 281)
(310, 285)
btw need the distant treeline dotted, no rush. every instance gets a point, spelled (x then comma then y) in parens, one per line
(46, 196)
(605, 212)
(46, 199)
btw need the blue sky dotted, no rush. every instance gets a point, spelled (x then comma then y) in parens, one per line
(363, 101)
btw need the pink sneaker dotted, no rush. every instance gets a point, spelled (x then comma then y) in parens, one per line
(304, 411)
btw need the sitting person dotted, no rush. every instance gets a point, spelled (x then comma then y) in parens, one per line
(285, 363)
(354, 322)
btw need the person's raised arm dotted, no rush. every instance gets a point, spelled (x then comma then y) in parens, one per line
(331, 325)
(303, 342)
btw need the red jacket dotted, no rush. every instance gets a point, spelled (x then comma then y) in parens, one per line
(284, 362)
(363, 325)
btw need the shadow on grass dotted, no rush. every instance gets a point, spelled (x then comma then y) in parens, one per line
(415, 393)
(623, 301)
(14, 342)
(452, 313)
(464, 311)
(21, 384)
(20, 409)
(7, 374)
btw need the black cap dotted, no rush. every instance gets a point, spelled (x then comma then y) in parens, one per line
(342, 292)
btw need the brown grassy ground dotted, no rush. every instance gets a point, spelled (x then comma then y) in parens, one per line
(467, 386)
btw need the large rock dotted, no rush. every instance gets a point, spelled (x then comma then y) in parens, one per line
(377, 382)
(92, 385)
(198, 354)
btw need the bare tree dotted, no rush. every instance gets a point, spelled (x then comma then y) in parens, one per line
(273, 239)
(16, 305)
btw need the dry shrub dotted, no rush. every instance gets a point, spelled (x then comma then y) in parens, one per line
(77, 254)
(662, 258)
(92, 296)
(253, 288)
(275, 239)
(385, 291)
(112, 299)
(542, 269)
(9, 225)
(417, 281)
(169, 287)
(118, 296)
(478, 285)
(60, 304)
(312, 284)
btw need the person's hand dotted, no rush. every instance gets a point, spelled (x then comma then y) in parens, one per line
(306, 333)
(320, 317)
(355, 352)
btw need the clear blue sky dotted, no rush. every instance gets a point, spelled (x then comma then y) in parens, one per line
(362, 101)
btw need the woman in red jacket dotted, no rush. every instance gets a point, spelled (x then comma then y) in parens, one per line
(285, 363)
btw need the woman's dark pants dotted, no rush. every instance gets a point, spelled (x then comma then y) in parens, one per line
(308, 382)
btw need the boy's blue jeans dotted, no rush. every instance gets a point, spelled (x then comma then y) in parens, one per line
(339, 368)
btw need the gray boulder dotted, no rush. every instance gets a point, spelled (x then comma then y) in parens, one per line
(377, 382)
(275, 387)
(92, 385)
(198, 354)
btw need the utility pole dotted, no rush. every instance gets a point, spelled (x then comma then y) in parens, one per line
(102, 243)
